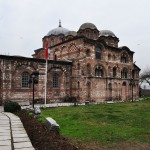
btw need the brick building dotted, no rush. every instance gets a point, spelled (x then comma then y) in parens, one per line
(87, 64)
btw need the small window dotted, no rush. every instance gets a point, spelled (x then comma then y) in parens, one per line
(87, 52)
(78, 66)
(109, 57)
(25, 79)
(55, 80)
(78, 85)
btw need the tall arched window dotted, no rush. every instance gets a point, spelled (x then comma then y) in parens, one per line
(98, 53)
(114, 72)
(25, 79)
(88, 52)
(124, 58)
(99, 72)
(109, 56)
(78, 84)
(88, 69)
(124, 73)
(55, 80)
(133, 74)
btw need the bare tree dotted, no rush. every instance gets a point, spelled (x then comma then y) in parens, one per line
(145, 76)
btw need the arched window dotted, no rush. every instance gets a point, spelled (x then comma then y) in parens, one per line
(124, 58)
(109, 57)
(99, 72)
(114, 72)
(55, 80)
(87, 33)
(78, 85)
(133, 74)
(113, 57)
(78, 66)
(25, 79)
(98, 53)
(110, 86)
(88, 68)
(87, 52)
(124, 73)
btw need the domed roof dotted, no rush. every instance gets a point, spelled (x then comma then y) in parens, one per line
(58, 30)
(72, 33)
(87, 25)
(107, 33)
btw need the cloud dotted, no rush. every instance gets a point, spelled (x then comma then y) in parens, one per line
(23, 23)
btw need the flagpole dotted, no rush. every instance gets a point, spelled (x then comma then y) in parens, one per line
(46, 57)
(45, 82)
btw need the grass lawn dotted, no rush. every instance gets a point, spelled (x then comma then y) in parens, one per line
(104, 124)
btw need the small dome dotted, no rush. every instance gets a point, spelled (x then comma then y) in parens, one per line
(72, 33)
(107, 33)
(87, 26)
(57, 31)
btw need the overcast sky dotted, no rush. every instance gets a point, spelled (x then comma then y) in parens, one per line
(23, 23)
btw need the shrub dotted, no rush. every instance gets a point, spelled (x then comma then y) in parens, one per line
(12, 107)
(70, 99)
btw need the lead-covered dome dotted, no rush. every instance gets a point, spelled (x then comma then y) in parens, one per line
(72, 33)
(87, 26)
(107, 33)
(57, 31)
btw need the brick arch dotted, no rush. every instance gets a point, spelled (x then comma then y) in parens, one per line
(72, 50)
(17, 76)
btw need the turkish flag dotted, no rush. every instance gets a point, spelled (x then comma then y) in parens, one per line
(46, 50)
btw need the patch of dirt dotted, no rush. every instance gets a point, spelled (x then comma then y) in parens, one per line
(41, 137)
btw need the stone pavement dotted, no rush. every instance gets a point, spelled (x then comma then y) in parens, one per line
(12, 133)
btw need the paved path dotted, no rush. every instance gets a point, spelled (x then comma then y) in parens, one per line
(12, 133)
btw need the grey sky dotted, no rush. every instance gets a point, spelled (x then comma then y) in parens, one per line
(23, 23)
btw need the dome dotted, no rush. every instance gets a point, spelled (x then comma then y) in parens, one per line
(72, 33)
(107, 33)
(87, 25)
(57, 31)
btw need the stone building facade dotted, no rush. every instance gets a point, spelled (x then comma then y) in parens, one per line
(87, 64)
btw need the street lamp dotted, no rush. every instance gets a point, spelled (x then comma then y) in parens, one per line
(33, 80)
(132, 84)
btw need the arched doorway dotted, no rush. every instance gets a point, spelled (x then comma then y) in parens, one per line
(109, 91)
(88, 90)
(124, 91)
(115, 91)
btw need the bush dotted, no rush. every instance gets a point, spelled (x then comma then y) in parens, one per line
(70, 99)
(12, 107)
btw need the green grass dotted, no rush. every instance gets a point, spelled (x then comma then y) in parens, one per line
(104, 123)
